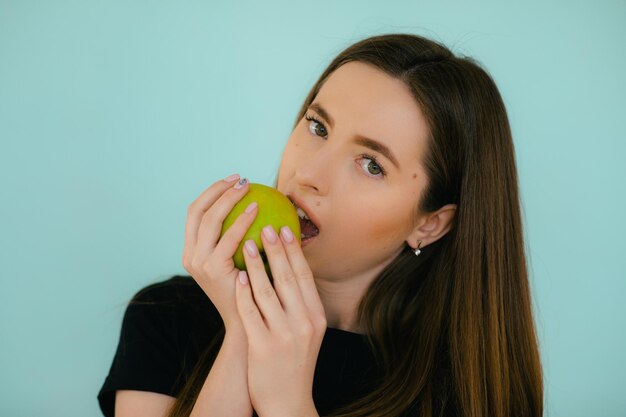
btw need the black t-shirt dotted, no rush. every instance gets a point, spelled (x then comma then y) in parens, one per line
(168, 325)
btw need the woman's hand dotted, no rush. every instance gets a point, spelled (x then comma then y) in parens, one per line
(285, 325)
(208, 261)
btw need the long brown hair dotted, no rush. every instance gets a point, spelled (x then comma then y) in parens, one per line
(452, 329)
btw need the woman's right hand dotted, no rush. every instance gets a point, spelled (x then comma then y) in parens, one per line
(208, 258)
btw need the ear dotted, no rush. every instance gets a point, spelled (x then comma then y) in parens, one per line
(432, 226)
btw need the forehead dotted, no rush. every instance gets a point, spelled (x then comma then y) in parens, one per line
(364, 100)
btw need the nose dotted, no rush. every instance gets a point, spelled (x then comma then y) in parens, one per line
(315, 171)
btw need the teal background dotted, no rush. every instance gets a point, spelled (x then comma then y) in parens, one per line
(115, 115)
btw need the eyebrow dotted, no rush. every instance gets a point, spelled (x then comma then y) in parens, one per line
(372, 144)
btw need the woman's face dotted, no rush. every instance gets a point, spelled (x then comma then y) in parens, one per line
(357, 171)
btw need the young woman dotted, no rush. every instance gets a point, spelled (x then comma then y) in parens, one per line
(409, 294)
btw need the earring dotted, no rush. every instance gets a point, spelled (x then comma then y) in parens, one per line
(418, 251)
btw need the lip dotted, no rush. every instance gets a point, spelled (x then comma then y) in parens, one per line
(306, 209)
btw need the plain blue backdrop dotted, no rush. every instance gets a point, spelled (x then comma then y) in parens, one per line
(115, 115)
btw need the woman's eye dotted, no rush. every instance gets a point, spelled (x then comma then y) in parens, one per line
(369, 164)
(316, 127)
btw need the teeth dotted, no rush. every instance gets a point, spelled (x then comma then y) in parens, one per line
(301, 213)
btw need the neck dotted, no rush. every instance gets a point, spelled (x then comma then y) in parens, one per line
(340, 301)
(341, 298)
(341, 295)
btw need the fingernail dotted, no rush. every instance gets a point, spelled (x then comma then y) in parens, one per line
(251, 248)
(287, 234)
(270, 234)
(251, 207)
(241, 183)
(231, 178)
(243, 277)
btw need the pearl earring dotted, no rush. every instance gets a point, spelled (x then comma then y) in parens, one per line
(418, 251)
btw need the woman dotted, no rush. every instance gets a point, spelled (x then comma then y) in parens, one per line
(409, 294)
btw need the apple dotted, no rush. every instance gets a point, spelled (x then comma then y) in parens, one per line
(274, 208)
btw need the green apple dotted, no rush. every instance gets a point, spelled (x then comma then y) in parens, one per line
(274, 208)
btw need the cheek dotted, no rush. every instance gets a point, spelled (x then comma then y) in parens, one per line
(389, 228)
(387, 224)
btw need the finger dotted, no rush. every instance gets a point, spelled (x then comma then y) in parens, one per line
(232, 239)
(212, 221)
(248, 311)
(197, 209)
(285, 282)
(262, 290)
(303, 273)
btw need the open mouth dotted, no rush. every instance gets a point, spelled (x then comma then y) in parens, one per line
(308, 229)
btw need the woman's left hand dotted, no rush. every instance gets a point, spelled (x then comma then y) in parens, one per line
(285, 325)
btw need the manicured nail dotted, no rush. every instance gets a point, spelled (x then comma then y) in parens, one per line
(232, 178)
(241, 183)
(251, 207)
(287, 234)
(243, 277)
(270, 234)
(251, 248)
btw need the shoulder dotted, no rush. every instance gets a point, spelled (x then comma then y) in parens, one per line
(171, 290)
(166, 327)
(177, 303)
